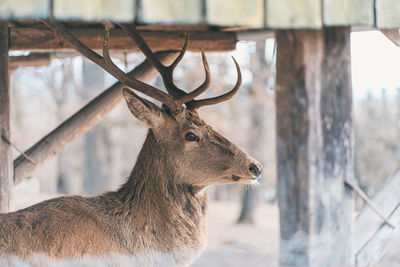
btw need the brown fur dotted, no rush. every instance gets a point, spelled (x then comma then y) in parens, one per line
(160, 208)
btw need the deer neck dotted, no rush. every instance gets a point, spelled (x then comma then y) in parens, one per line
(153, 201)
(152, 180)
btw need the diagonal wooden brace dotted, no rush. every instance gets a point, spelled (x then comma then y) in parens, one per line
(81, 121)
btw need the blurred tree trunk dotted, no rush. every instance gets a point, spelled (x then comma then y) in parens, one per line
(262, 72)
(97, 164)
(60, 95)
(250, 194)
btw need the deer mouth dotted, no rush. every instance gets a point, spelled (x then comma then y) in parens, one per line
(245, 180)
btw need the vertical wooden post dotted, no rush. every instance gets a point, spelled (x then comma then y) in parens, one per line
(6, 162)
(314, 146)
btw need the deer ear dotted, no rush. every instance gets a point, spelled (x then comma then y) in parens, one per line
(143, 109)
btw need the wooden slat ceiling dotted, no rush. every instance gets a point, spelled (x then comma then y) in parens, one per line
(273, 14)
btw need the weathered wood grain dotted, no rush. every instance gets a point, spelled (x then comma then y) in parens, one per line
(6, 170)
(80, 122)
(31, 60)
(235, 12)
(23, 9)
(94, 10)
(371, 236)
(171, 11)
(294, 14)
(383, 240)
(346, 13)
(43, 40)
(393, 35)
(314, 146)
(387, 14)
(276, 14)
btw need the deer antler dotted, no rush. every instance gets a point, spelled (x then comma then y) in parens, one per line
(167, 71)
(167, 74)
(176, 97)
(195, 104)
(108, 65)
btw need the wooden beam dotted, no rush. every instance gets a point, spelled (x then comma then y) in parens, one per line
(248, 13)
(371, 236)
(392, 35)
(254, 35)
(6, 170)
(387, 14)
(348, 13)
(80, 122)
(31, 60)
(314, 146)
(293, 14)
(43, 40)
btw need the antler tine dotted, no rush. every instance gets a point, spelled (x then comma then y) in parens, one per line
(166, 72)
(138, 39)
(195, 104)
(181, 54)
(106, 40)
(106, 63)
(203, 87)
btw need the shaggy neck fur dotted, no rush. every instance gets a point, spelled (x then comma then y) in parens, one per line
(165, 214)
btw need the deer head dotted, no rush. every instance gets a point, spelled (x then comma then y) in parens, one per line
(198, 155)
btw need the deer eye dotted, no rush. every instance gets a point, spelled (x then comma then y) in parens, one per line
(191, 137)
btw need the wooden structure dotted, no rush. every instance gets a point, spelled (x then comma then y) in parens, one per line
(313, 98)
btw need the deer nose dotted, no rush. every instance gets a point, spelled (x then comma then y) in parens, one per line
(255, 170)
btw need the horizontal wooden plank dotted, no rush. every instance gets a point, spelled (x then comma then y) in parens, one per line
(293, 14)
(387, 14)
(13, 9)
(369, 229)
(345, 12)
(94, 10)
(235, 12)
(31, 60)
(43, 40)
(170, 11)
(276, 14)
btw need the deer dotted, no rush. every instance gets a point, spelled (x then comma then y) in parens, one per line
(158, 217)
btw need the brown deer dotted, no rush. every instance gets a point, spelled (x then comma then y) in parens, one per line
(158, 217)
